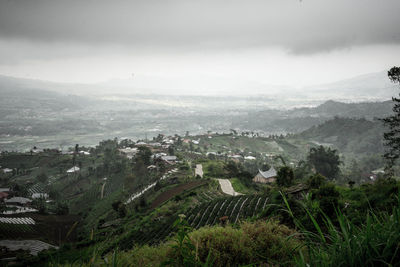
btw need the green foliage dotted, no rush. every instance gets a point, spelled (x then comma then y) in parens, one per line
(349, 135)
(183, 253)
(144, 154)
(238, 186)
(315, 181)
(325, 161)
(381, 196)
(42, 177)
(232, 168)
(374, 243)
(392, 136)
(215, 169)
(355, 172)
(252, 243)
(62, 208)
(302, 170)
(285, 176)
(119, 207)
(328, 198)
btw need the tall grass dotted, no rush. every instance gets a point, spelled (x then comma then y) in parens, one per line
(376, 242)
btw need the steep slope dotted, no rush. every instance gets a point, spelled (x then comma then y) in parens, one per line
(349, 135)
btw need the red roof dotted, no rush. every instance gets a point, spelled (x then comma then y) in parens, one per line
(3, 195)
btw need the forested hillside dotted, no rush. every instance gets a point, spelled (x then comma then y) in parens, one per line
(349, 135)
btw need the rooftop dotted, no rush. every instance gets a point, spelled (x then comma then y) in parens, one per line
(268, 174)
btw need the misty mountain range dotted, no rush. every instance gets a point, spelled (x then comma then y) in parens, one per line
(374, 86)
(70, 113)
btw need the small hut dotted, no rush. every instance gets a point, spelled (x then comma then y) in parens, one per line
(265, 177)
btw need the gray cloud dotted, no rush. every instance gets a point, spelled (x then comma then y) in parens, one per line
(305, 27)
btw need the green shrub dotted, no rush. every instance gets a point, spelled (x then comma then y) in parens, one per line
(315, 181)
(253, 243)
(285, 176)
(376, 242)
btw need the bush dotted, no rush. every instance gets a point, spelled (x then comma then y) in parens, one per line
(253, 243)
(374, 243)
(315, 181)
(328, 198)
(285, 176)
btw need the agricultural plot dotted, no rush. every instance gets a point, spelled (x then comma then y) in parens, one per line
(164, 228)
(140, 193)
(18, 220)
(36, 188)
(235, 208)
(87, 200)
(33, 246)
(163, 197)
(15, 231)
(11, 209)
(112, 185)
(193, 156)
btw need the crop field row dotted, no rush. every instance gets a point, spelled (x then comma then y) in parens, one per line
(26, 220)
(211, 208)
(165, 228)
(113, 184)
(36, 188)
(234, 208)
(15, 231)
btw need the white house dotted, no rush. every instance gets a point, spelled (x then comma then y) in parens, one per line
(196, 142)
(141, 144)
(129, 152)
(7, 170)
(73, 169)
(40, 195)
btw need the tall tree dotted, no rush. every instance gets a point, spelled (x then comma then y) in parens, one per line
(285, 176)
(392, 137)
(325, 161)
(144, 154)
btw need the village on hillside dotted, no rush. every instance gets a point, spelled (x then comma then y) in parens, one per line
(46, 194)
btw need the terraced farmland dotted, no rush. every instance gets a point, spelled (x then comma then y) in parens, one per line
(175, 191)
(15, 231)
(33, 246)
(235, 208)
(207, 213)
(164, 228)
(19, 220)
(37, 188)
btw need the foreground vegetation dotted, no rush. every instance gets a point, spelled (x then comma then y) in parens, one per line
(314, 239)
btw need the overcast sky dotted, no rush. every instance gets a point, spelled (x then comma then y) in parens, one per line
(286, 42)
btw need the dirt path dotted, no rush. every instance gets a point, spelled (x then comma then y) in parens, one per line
(199, 170)
(102, 190)
(227, 188)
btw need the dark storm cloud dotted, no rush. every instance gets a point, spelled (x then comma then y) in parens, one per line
(301, 27)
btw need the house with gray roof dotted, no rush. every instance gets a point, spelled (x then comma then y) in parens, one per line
(169, 159)
(265, 177)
